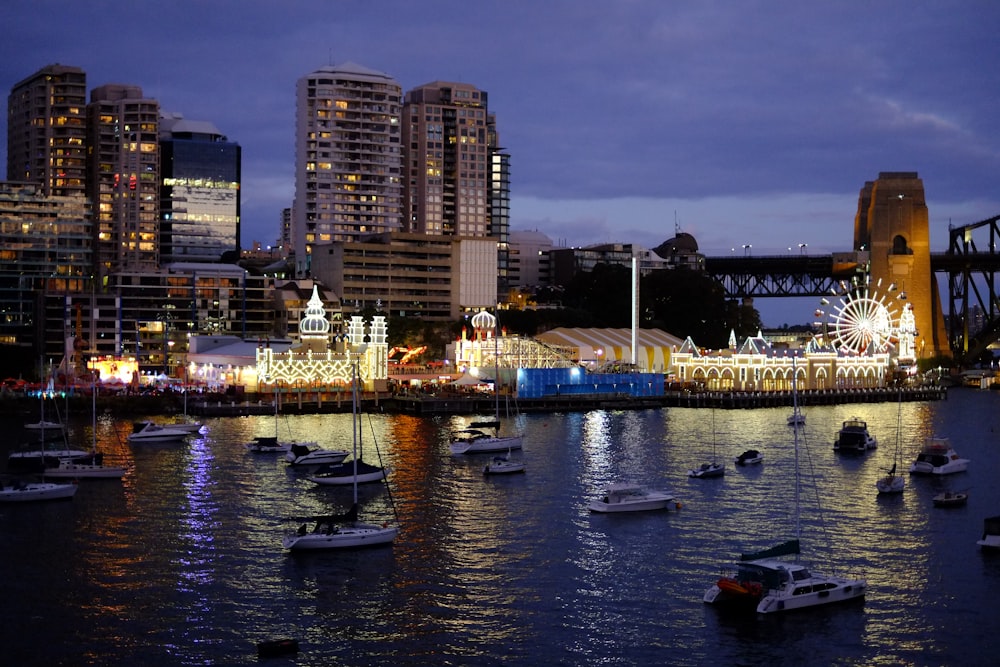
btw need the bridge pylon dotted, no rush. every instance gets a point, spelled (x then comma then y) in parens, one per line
(892, 224)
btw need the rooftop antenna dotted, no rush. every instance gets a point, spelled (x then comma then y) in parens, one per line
(677, 225)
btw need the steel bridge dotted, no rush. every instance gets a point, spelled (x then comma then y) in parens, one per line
(971, 264)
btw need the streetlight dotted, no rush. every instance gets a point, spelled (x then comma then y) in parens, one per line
(746, 249)
(802, 248)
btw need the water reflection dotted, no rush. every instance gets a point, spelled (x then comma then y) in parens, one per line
(183, 557)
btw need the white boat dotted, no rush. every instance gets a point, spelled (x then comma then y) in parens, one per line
(854, 438)
(303, 457)
(69, 469)
(991, 534)
(951, 499)
(20, 491)
(503, 465)
(186, 426)
(749, 457)
(342, 531)
(768, 584)
(45, 425)
(708, 470)
(626, 497)
(343, 474)
(893, 482)
(714, 468)
(475, 441)
(37, 460)
(147, 431)
(937, 457)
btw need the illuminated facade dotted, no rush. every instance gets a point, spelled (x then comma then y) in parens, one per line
(200, 193)
(348, 162)
(324, 357)
(757, 366)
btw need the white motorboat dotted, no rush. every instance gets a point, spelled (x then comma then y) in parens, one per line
(475, 441)
(303, 457)
(343, 531)
(991, 534)
(937, 457)
(854, 438)
(20, 491)
(749, 457)
(147, 431)
(766, 583)
(503, 465)
(186, 426)
(626, 497)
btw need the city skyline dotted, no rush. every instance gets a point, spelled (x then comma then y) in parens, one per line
(743, 125)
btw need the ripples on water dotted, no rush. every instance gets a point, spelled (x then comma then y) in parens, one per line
(181, 562)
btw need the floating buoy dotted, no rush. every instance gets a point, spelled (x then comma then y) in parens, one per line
(678, 505)
(276, 647)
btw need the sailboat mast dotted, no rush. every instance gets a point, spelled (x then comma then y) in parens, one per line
(496, 364)
(795, 430)
(354, 427)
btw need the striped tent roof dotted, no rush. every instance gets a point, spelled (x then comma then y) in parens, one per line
(654, 345)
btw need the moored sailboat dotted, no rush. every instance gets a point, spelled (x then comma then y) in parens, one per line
(768, 583)
(893, 482)
(343, 531)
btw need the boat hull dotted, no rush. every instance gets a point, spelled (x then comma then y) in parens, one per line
(487, 445)
(834, 590)
(85, 471)
(356, 536)
(503, 468)
(36, 491)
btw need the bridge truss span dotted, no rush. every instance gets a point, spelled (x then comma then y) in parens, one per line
(972, 263)
(779, 275)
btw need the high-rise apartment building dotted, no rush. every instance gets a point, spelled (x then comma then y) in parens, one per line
(447, 175)
(124, 178)
(347, 157)
(46, 130)
(200, 193)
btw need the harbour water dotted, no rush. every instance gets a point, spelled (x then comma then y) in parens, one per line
(181, 563)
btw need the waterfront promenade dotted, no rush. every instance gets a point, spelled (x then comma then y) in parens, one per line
(453, 403)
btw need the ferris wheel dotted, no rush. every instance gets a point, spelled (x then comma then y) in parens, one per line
(861, 320)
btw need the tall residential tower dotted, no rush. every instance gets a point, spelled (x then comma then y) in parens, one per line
(46, 131)
(347, 157)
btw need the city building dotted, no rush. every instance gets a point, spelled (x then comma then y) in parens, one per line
(200, 192)
(435, 278)
(123, 180)
(348, 164)
(456, 179)
(44, 249)
(529, 259)
(46, 131)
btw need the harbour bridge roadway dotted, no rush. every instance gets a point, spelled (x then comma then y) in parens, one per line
(971, 268)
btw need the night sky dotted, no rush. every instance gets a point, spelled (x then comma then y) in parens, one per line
(740, 122)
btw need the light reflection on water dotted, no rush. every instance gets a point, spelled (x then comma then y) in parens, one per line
(183, 558)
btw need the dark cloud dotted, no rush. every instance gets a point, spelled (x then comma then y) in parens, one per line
(595, 100)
